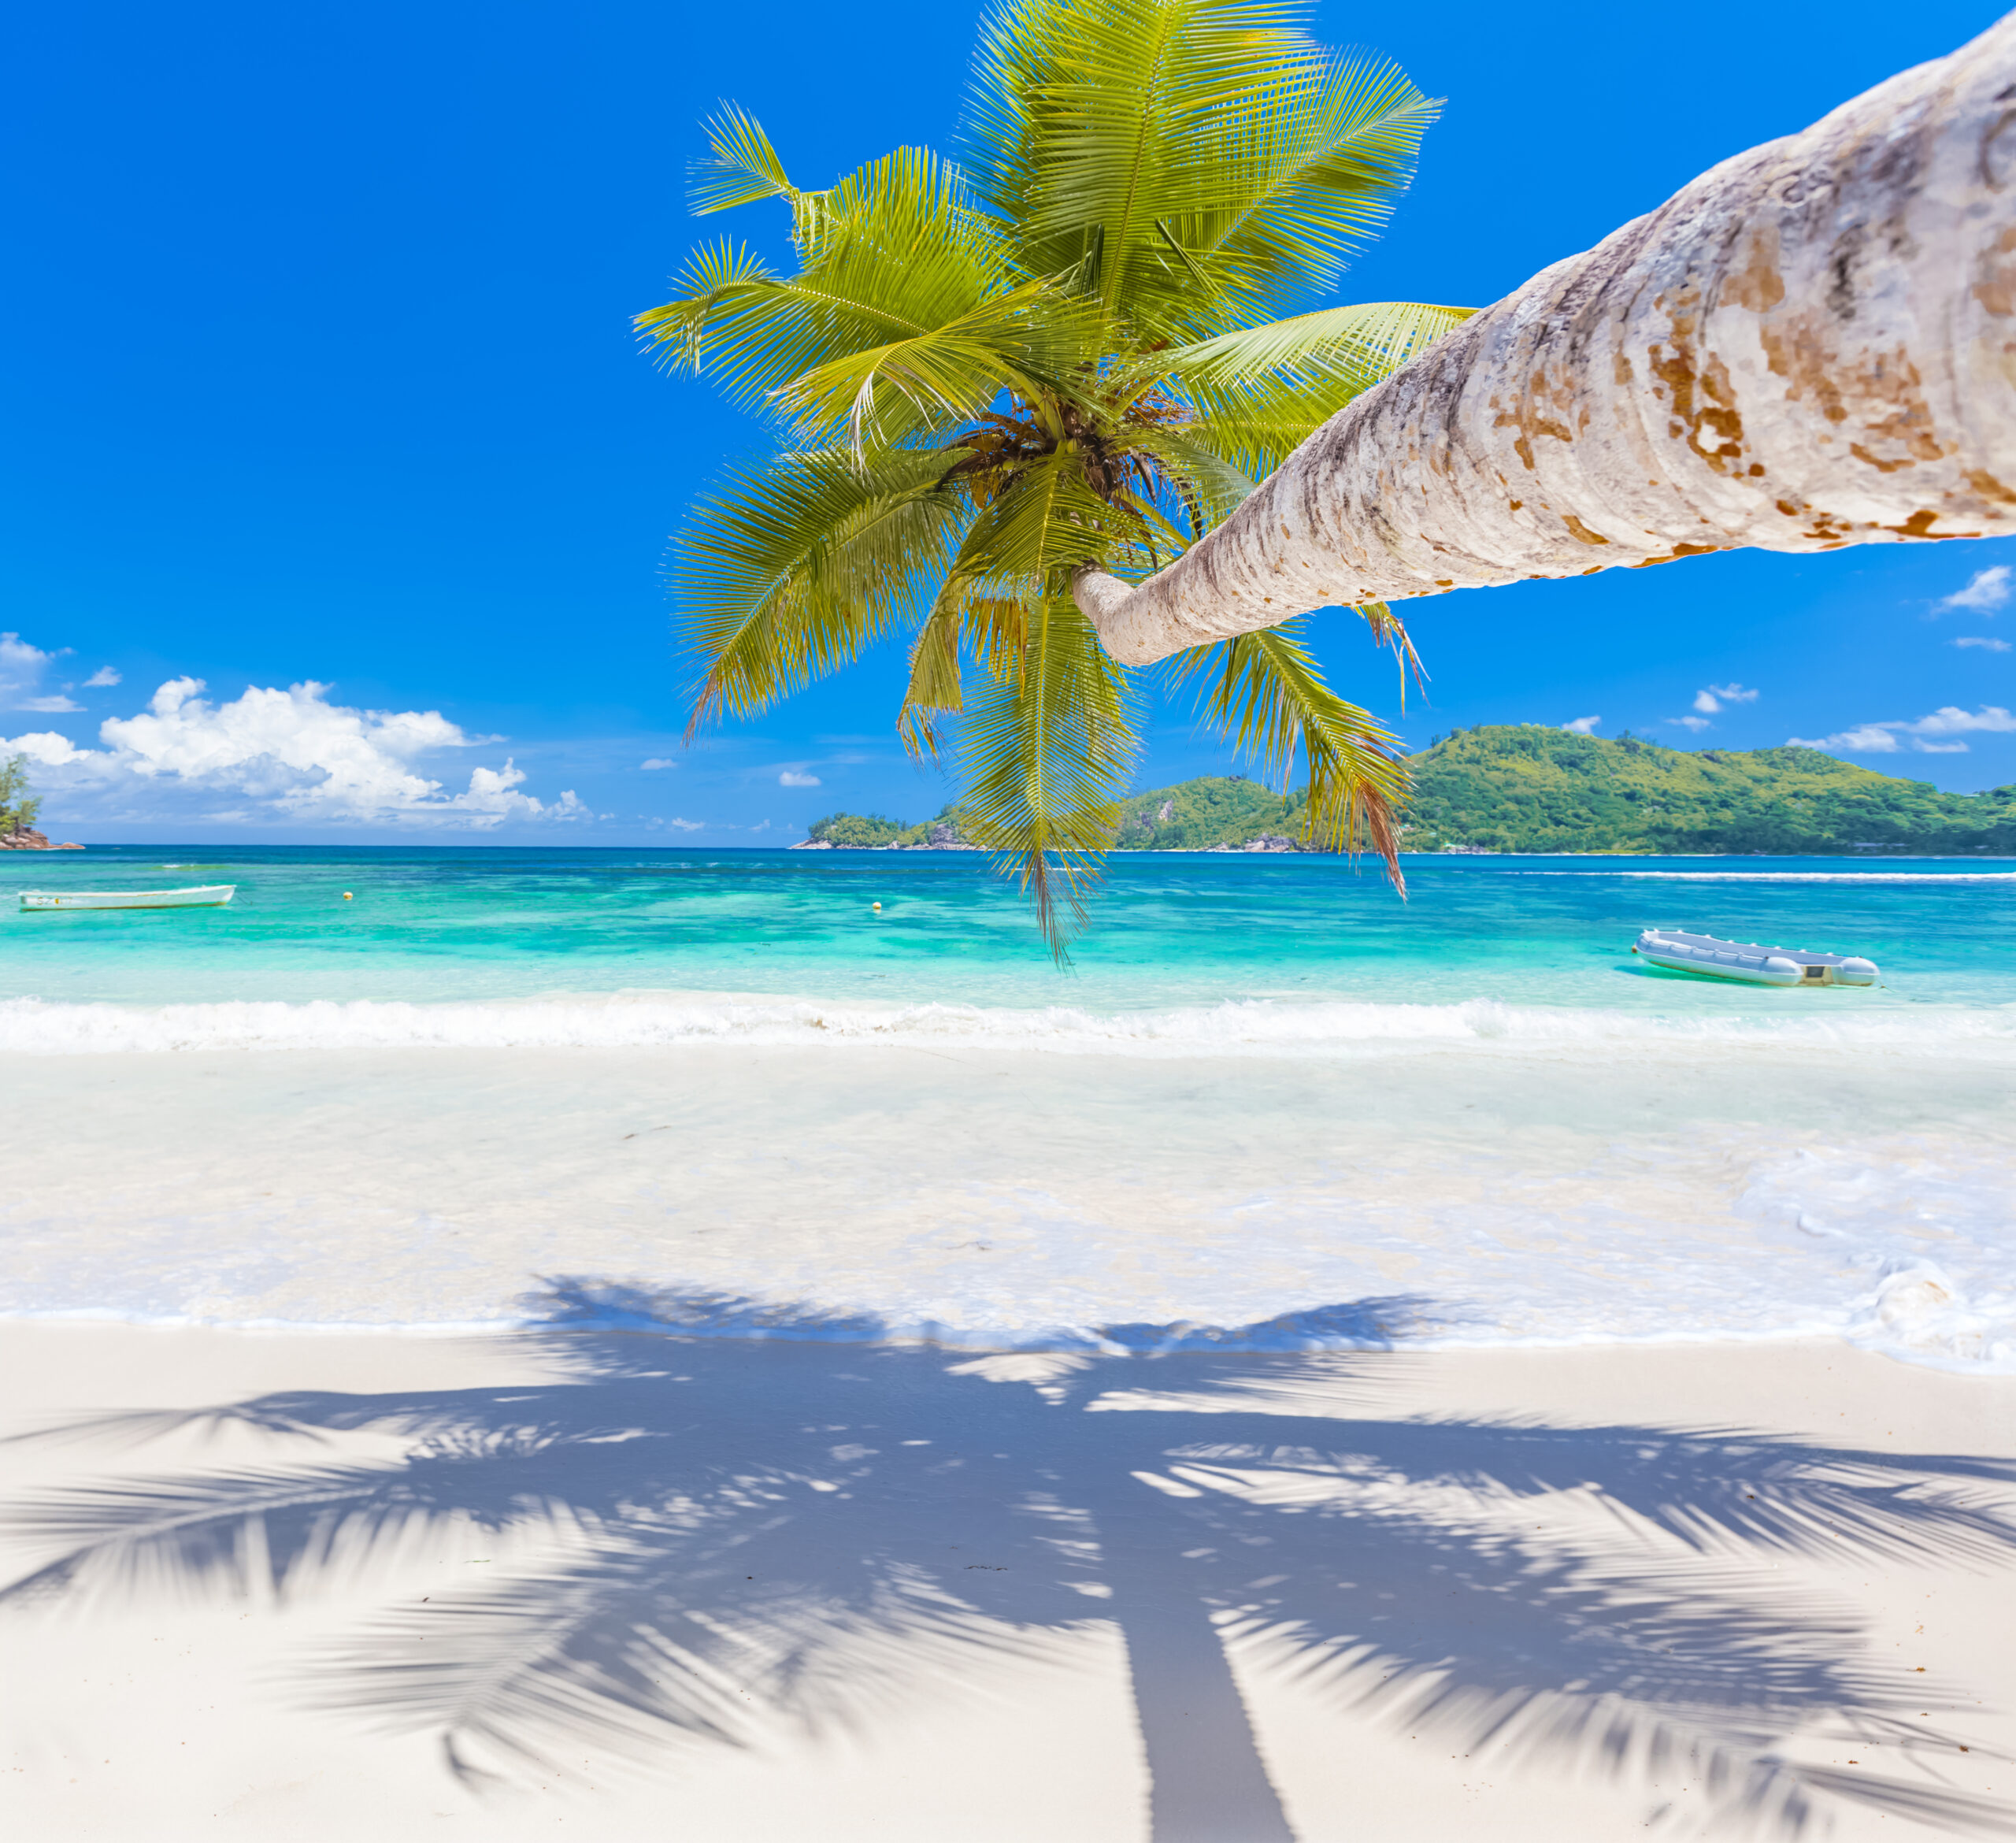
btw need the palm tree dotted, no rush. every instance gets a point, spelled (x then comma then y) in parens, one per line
(1744, 367)
(1064, 350)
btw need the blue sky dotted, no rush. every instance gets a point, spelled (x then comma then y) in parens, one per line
(321, 373)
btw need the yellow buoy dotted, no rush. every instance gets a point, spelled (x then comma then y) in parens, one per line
(878, 905)
(348, 897)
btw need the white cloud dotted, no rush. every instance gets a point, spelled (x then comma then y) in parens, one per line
(289, 755)
(1982, 640)
(1986, 590)
(1886, 738)
(659, 761)
(1871, 739)
(105, 676)
(1581, 725)
(21, 668)
(790, 778)
(1710, 698)
(1696, 724)
(1947, 721)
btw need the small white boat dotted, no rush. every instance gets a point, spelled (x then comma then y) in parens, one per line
(1747, 961)
(206, 895)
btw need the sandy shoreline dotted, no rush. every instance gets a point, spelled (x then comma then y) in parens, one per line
(1473, 1200)
(326, 1586)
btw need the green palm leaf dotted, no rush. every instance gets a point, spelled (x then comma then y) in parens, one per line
(898, 258)
(1049, 752)
(933, 690)
(790, 571)
(744, 167)
(1023, 340)
(1271, 700)
(1287, 194)
(1363, 344)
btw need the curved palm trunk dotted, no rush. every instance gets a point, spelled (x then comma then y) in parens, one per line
(1813, 345)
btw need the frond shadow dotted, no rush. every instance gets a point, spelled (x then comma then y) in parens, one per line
(729, 1532)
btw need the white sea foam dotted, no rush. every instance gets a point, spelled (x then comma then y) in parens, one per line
(1917, 876)
(1247, 1028)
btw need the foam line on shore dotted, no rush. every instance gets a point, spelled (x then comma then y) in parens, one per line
(1256, 1027)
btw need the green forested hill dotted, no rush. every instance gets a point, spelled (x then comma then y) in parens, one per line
(1216, 810)
(1524, 787)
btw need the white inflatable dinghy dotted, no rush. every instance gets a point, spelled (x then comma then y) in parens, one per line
(207, 895)
(1746, 960)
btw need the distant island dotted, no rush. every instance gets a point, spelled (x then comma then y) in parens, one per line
(1526, 788)
(18, 809)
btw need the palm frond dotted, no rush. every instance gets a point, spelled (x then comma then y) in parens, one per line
(1046, 519)
(1025, 339)
(1211, 485)
(1258, 393)
(897, 256)
(986, 619)
(1271, 700)
(718, 279)
(933, 690)
(743, 167)
(1364, 343)
(789, 571)
(1207, 161)
(1049, 752)
(1285, 194)
(1090, 119)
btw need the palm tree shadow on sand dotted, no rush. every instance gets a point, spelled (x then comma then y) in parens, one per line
(802, 1528)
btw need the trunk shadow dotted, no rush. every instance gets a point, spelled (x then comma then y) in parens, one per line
(819, 1533)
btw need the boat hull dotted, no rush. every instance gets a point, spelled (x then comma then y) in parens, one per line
(210, 895)
(1748, 962)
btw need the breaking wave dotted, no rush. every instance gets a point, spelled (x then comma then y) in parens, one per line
(1244, 1028)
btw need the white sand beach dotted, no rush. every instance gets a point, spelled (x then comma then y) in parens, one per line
(340, 1585)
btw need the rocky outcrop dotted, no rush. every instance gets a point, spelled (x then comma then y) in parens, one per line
(27, 838)
(1267, 841)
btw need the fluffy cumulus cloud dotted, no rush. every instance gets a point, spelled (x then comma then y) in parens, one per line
(1712, 698)
(1982, 641)
(279, 754)
(1697, 723)
(792, 777)
(658, 761)
(1986, 590)
(21, 670)
(1938, 734)
(104, 676)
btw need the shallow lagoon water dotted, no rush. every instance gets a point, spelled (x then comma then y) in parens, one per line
(1270, 1103)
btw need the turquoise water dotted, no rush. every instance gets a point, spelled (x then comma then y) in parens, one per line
(1269, 1102)
(1167, 929)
